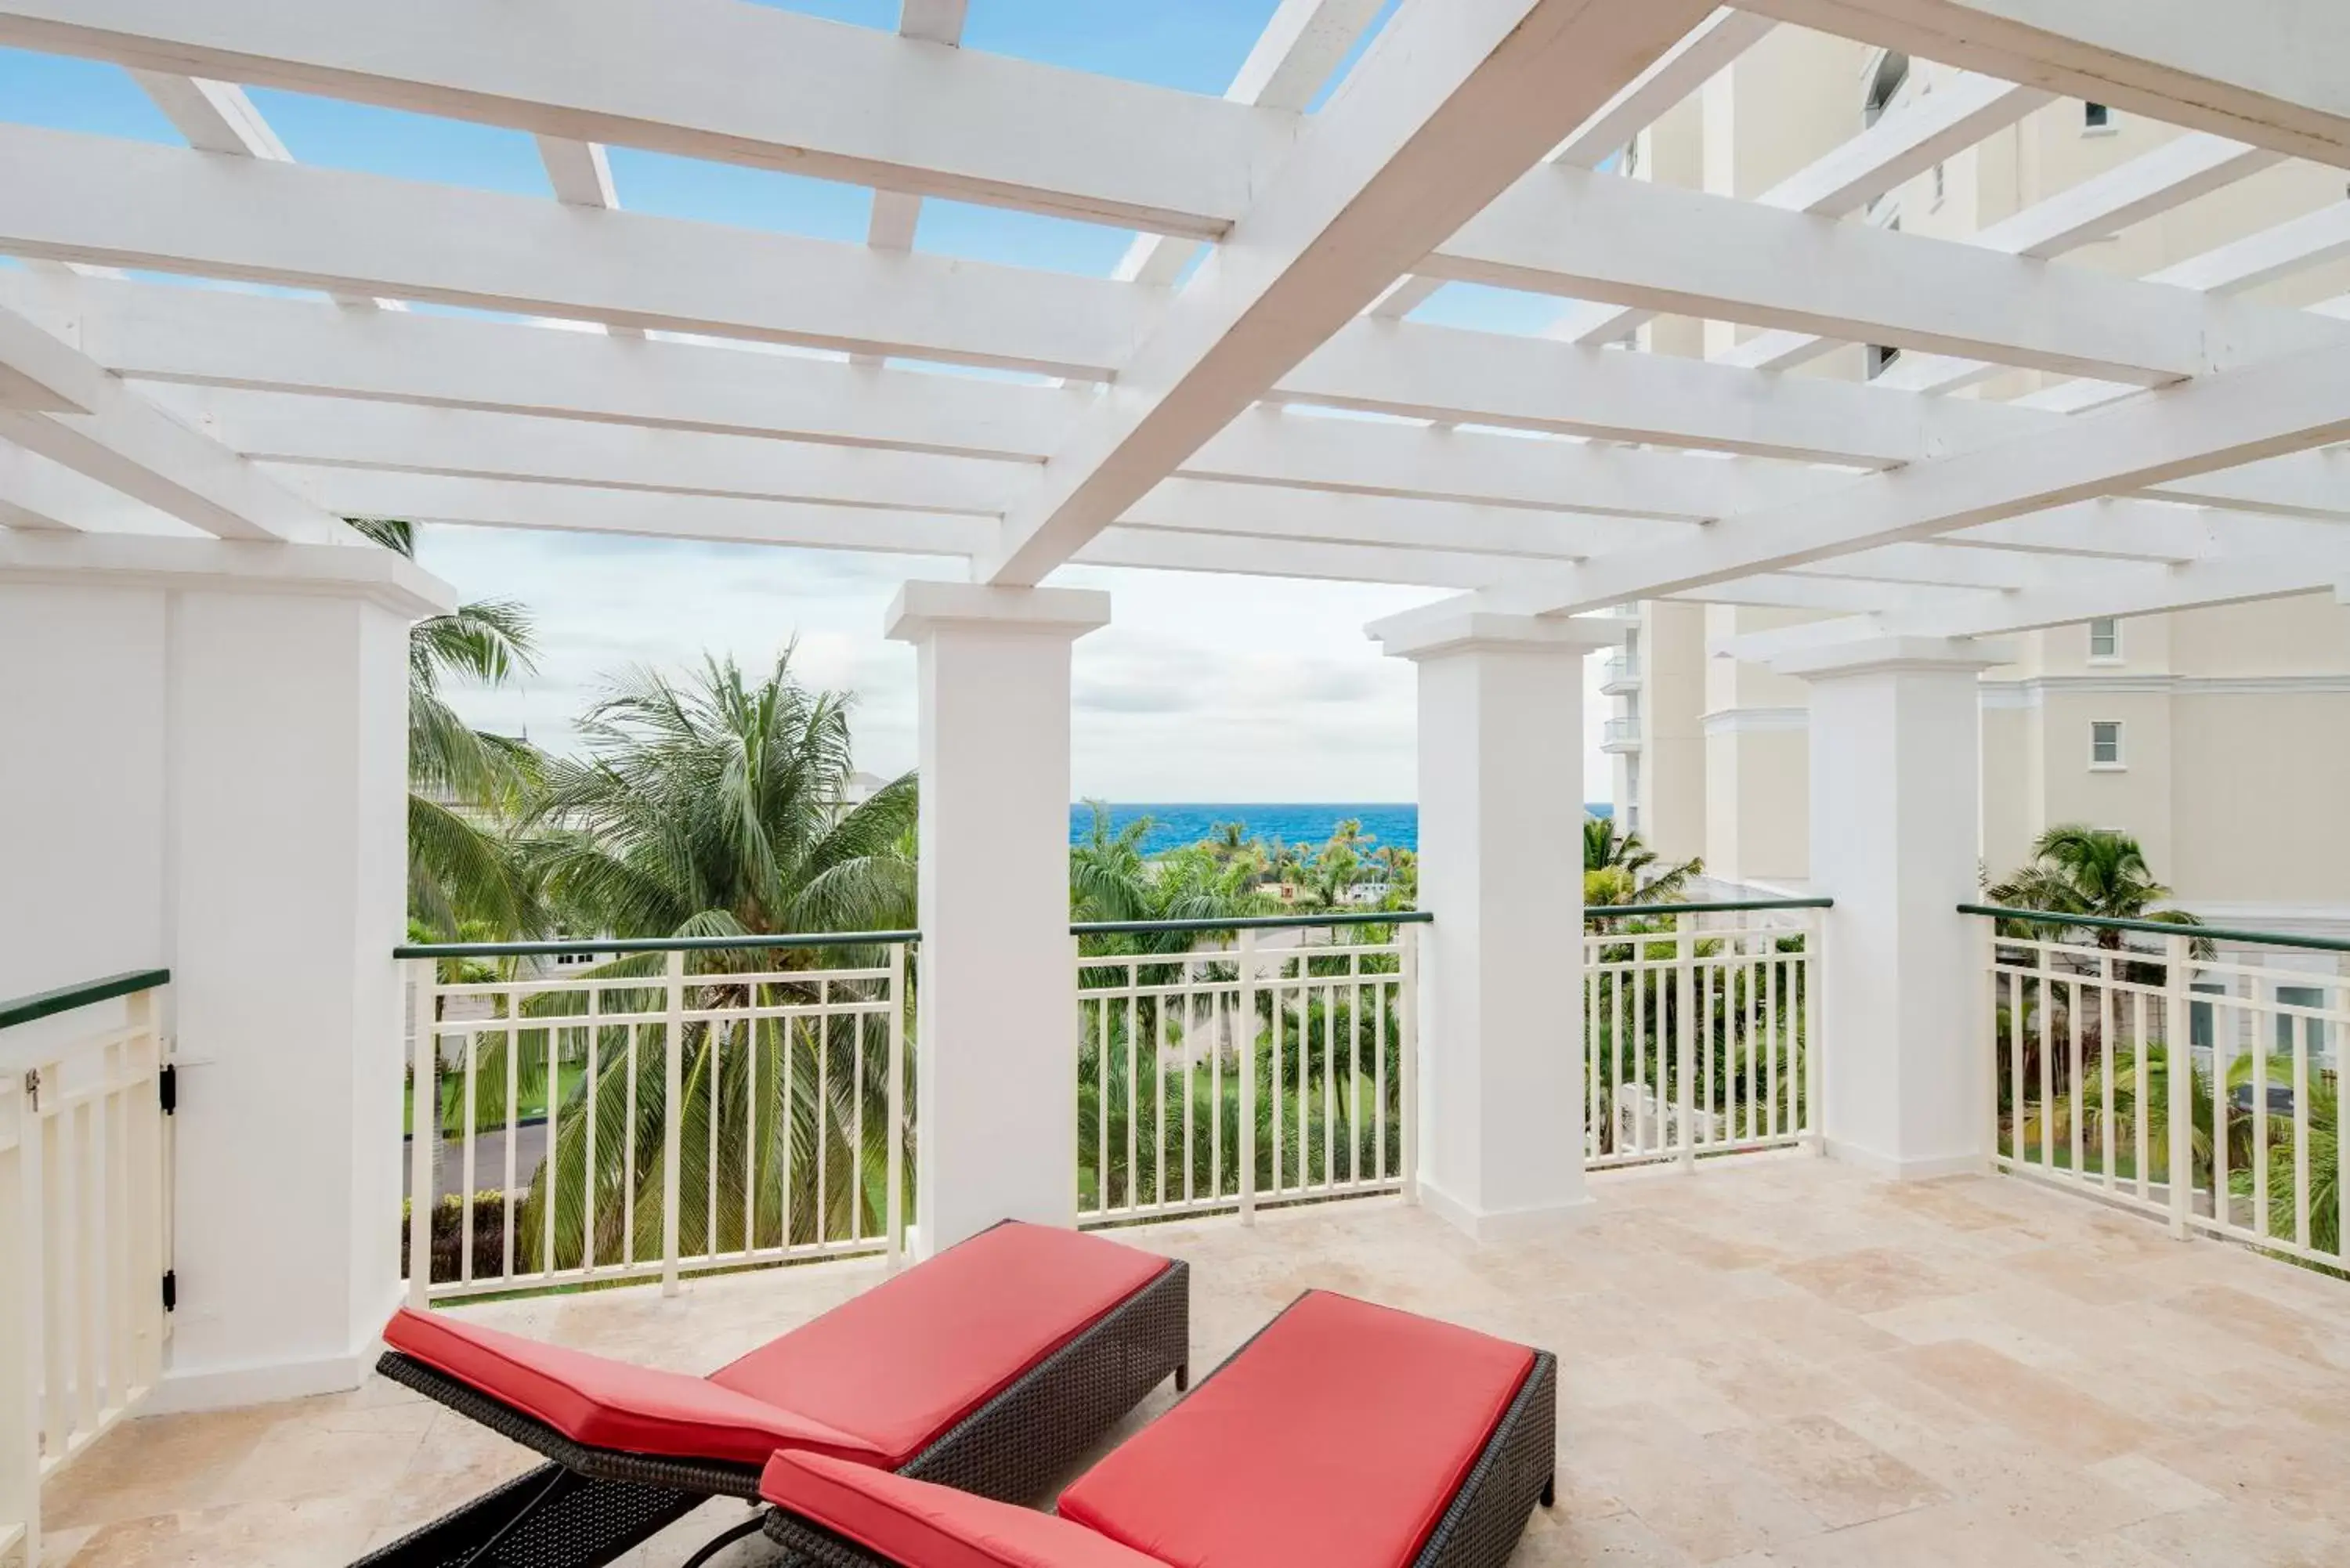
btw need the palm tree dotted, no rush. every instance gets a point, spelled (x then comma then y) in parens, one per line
(1622, 862)
(2077, 869)
(718, 806)
(464, 783)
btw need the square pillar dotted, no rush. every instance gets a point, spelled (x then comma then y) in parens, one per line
(1896, 782)
(221, 733)
(1501, 868)
(996, 1046)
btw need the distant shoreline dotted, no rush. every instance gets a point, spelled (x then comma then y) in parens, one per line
(1176, 823)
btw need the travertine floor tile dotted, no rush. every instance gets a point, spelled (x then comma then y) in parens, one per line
(1774, 1362)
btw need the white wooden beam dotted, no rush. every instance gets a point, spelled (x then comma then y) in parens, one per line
(1705, 50)
(510, 504)
(2298, 243)
(897, 214)
(159, 333)
(2309, 239)
(1624, 241)
(587, 509)
(2178, 171)
(1267, 445)
(2262, 71)
(728, 82)
(75, 197)
(1902, 144)
(2307, 485)
(580, 171)
(2197, 585)
(1439, 372)
(121, 440)
(1264, 511)
(1258, 557)
(2264, 410)
(277, 426)
(1456, 99)
(151, 332)
(154, 332)
(216, 116)
(1303, 43)
(36, 494)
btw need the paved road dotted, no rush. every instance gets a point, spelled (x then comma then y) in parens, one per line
(489, 1161)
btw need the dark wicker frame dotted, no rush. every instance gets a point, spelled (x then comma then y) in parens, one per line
(1514, 1471)
(588, 1506)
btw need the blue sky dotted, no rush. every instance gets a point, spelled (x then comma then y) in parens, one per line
(1203, 688)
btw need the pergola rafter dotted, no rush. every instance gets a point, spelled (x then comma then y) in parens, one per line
(1267, 410)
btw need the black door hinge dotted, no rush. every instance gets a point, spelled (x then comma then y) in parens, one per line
(167, 1085)
(171, 1290)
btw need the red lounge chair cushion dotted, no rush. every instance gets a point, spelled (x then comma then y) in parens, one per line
(607, 1404)
(1339, 1435)
(902, 1363)
(924, 1526)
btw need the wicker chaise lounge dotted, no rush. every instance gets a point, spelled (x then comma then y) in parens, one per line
(991, 1367)
(1343, 1436)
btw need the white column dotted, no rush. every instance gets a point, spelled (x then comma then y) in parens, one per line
(241, 714)
(1895, 829)
(1501, 868)
(996, 1046)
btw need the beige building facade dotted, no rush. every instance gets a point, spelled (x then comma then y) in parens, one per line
(2219, 737)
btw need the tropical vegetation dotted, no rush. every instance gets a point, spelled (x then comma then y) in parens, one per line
(2077, 869)
(2089, 1053)
(1619, 869)
(466, 787)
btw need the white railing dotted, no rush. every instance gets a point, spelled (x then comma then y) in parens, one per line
(1269, 1063)
(2245, 1143)
(673, 1108)
(1700, 1030)
(85, 1228)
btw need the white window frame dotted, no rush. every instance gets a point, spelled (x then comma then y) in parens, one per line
(2120, 760)
(2115, 657)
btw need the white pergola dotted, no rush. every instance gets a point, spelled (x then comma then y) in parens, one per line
(1246, 394)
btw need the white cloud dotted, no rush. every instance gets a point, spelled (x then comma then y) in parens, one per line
(1203, 688)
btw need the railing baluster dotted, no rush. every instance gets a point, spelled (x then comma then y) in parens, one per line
(1685, 1034)
(514, 1136)
(1407, 1058)
(894, 1134)
(672, 1114)
(2301, 1131)
(2178, 1057)
(2105, 1072)
(424, 1125)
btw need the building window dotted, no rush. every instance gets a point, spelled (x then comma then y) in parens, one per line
(2096, 117)
(2105, 743)
(2288, 1024)
(1941, 184)
(1884, 83)
(2106, 639)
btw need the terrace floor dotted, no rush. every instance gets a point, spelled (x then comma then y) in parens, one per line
(1776, 1360)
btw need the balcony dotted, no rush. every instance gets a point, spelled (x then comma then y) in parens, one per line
(1766, 1352)
(1779, 1355)
(1620, 672)
(1620, 735)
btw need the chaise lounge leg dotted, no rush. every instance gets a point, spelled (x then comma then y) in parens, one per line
(1183, 1377)
(1550, 1492)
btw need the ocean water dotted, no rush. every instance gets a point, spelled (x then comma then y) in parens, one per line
(1187, 822)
